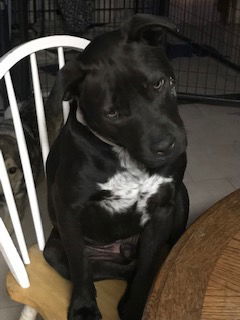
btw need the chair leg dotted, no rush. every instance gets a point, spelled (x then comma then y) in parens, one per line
(28, 313)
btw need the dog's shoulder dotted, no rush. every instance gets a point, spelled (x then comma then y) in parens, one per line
(79, 154)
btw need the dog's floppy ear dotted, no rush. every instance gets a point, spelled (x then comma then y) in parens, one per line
(64, 88)
(72, 73)
(146, 27)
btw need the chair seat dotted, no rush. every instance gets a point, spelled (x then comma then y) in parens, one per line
(49, 293)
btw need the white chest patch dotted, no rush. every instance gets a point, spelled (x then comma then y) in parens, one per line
(132, 185)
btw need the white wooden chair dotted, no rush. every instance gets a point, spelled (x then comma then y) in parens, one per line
(32, 281)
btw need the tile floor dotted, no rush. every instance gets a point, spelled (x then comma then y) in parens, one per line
(213, 168)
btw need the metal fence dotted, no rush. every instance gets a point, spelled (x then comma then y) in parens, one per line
(205, 53)
(207, 50)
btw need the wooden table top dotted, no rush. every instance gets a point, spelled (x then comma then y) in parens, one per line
(200, 280)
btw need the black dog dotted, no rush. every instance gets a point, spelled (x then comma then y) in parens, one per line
(116, 197)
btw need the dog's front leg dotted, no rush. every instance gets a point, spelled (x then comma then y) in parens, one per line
(83, 300)
(153, 249)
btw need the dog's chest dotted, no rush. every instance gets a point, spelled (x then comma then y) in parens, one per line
(130, 187)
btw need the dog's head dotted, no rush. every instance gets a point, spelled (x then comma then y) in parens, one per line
(126, 91)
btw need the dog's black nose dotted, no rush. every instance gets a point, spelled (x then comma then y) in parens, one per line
(163, 147)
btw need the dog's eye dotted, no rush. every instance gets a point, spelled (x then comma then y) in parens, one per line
(112, 115)
(159, 84)
(12, 170)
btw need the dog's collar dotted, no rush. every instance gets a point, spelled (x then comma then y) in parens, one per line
(80, 118)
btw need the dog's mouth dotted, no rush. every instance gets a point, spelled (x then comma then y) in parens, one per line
(157, 161)
(161, 157)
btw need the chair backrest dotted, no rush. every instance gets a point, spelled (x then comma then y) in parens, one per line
(8, 61)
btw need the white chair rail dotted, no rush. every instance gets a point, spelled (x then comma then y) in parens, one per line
(9, 60)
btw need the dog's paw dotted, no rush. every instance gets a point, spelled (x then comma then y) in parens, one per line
(127, 314)
(129, 309)
(122, 306)
(83, 311)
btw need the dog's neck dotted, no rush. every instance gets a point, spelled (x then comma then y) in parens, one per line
(80, 118)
